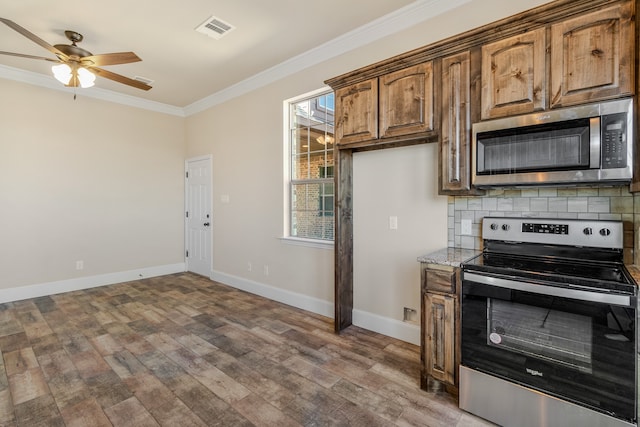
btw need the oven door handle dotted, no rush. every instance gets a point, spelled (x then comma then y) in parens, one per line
(621, 300)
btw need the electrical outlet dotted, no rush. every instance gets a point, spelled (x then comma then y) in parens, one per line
(393, 223)
(410, 315)
(79, 265)
(266, 270)
(249, 266)
(465, 227)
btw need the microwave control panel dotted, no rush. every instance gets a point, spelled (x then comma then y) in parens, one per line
(614, 141)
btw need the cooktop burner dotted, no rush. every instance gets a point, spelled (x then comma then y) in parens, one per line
(570, 272)
(568, 253)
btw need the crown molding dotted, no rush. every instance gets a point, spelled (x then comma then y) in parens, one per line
(399, 20)
(42, 80)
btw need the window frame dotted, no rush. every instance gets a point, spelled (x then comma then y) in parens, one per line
(287, 181)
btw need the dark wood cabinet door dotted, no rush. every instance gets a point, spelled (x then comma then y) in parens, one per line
(455, 156)
(592, 56)
(440, 337)
(513, 75)
(357, 112)
(406, 101)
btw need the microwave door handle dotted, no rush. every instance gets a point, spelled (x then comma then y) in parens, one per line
(594, 143)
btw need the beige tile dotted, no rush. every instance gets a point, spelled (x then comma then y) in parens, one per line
(260, 412)
(17, 362)
(27, 385)
(106, 344)
(214, 356)
(130, 412)
(85, 413)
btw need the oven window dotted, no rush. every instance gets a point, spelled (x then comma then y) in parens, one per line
(556, 336)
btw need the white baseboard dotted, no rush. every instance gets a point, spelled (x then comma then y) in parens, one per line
(403, 331)
(60, 286)
(373, 322)
(294, 299)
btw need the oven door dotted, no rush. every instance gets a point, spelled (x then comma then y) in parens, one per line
(575, 344)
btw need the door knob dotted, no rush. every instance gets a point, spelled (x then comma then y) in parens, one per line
(206, 224)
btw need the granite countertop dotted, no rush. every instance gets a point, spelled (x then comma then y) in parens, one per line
(634, 270)
(450, 256)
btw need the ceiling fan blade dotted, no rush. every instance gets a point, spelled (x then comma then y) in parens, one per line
(21, 55)
(110, 59)
(34, 38)
(119, 78)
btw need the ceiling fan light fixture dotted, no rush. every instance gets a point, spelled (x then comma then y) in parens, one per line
(86, 77)
(67, 75)
(324, 140)
(62, 73)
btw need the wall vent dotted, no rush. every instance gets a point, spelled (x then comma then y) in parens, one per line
(215, 27)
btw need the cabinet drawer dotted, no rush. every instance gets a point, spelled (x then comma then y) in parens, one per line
(440, 281)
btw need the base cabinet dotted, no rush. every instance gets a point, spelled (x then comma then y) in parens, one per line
(439, 332)
(440, 327)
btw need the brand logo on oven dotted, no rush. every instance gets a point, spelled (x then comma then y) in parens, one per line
(534, 372)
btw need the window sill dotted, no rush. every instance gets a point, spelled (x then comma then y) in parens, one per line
(311, 243)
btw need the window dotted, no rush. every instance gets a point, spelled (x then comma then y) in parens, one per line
(310, 166)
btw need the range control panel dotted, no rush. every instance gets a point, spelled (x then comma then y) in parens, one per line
(534, 227)
(552, 231)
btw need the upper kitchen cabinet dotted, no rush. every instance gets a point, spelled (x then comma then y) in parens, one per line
(513, 75)
(357, 112)
(406, 101)
(592, 56)
(393, 108)
(454, 171)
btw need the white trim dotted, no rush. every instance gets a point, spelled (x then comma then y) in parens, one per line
(390, 327)
(294, 299)
(396, 21)
(37, 79)
(208, 157)
(408, 332)
(68, 285)
(286, 173)
(310, 243)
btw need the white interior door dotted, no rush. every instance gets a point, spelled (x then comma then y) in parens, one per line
(198, 216)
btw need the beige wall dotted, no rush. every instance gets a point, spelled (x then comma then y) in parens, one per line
(245, 137)
(85, 180)
(99, 182)
(400, 182)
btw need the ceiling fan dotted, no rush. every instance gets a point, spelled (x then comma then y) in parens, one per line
(77, 66)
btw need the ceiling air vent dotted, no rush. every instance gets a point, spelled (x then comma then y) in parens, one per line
(215, 27)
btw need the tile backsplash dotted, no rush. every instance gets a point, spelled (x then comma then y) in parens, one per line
(612, 203)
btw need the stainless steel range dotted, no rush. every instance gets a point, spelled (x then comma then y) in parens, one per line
(549, 316)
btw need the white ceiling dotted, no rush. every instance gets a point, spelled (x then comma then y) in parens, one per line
(187, 66)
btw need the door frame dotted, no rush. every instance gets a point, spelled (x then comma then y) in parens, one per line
(208, 157)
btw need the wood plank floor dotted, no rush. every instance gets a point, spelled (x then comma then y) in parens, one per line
(181, 350)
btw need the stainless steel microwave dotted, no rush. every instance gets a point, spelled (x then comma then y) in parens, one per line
(585, 144)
